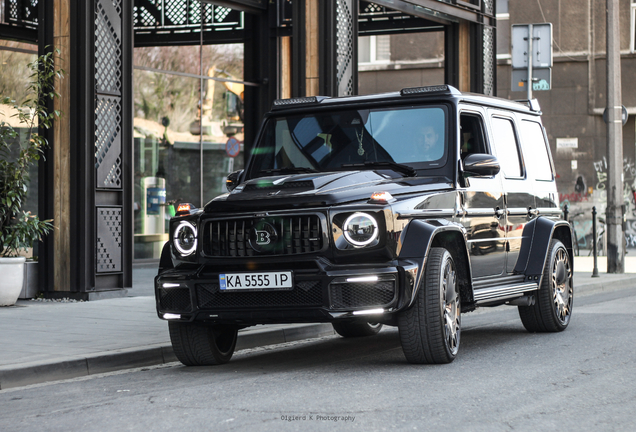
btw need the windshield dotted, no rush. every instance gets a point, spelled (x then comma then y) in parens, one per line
(327, 140)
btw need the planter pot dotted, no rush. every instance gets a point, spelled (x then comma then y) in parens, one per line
(12, 271)
(30, 287)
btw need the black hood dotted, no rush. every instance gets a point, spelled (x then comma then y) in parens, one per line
(319, 189)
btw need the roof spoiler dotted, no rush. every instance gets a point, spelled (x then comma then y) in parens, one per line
(306, 100)
(435, 89)
(533, 104)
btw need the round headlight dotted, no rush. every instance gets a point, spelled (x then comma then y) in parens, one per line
(360, 229)
(185, 238)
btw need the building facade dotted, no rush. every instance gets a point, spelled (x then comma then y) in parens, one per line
(162, 99)
(572, 108)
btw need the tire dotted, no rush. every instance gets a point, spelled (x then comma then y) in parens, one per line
(356, 329)
(430, 330)
(553, 308)
(199, 345)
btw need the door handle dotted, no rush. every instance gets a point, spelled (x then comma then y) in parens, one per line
(499, 212)
(533, 212)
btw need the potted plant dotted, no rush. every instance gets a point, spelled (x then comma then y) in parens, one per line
(19, 229)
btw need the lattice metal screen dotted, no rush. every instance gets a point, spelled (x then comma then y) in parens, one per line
(489, 7)
(344, 47)
(21, 12)
(108, 46)
(109, 238)
(108, 120)
(489, 60)
(167, 15)
(367, 8)
(108, 85)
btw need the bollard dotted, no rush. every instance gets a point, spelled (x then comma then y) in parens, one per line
(595, 270)
(566, 212)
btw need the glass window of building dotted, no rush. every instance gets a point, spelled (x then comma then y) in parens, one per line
(188, 132)
(503, 30)
(374, 49)
(632, 39)
(14, 79)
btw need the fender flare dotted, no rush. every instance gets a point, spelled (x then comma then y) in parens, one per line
(165, 262)
(534, 248)
(415, 244)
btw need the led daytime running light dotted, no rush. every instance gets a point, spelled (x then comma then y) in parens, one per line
(193, 247)
(348, 224)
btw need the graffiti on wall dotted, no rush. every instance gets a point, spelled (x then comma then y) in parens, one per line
(629, 175)
(581, 200)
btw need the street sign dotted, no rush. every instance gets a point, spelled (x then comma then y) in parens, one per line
(541, 45)
(542, 79)
(532, 56)
(232, 147)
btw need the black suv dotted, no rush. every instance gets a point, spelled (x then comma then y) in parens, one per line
(403, 209)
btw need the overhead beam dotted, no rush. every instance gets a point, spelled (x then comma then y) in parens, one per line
(437, 11)
(145, 38)
(250, 6)
(373, 28)
(19, 34)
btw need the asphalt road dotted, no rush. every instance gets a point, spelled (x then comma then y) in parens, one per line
(504, 379)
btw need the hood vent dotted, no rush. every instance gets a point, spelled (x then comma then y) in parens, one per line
(262, 186)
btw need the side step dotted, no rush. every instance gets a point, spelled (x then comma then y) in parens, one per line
(488, 295)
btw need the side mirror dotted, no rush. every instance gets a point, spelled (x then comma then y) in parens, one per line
(233, 180)
(480, 165)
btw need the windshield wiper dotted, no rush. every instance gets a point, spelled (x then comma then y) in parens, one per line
(288, 170)
(401, 168)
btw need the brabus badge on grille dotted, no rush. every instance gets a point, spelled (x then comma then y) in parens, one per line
(263, 237)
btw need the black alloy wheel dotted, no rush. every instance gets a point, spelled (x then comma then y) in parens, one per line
(430, 330)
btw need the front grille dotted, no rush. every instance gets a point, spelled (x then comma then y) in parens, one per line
(286, 235)
(361, 294)
(305, 293)
(175, 299)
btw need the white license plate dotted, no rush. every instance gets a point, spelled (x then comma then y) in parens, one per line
(256, 281)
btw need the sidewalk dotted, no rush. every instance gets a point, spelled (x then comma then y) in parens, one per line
(53, 341)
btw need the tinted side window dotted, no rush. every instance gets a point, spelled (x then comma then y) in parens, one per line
(506, 147)
(535, 150)
(472, 134)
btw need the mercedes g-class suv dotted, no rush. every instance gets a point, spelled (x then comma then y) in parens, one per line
(404, 209)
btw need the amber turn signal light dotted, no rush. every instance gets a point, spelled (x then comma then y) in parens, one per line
(381, 197)
(184, 208)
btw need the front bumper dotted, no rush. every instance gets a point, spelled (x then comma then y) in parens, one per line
(321, 293)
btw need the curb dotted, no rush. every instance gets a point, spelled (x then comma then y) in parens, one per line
(584, 284)
(63, 368)
(75, 367)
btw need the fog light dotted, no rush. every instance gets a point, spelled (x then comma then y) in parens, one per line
(170, 316)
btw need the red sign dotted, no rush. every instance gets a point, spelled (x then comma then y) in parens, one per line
(232, 147)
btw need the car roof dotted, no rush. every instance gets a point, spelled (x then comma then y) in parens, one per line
(411, 94)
